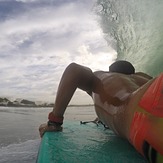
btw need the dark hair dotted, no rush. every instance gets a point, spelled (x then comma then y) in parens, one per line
(123, 67)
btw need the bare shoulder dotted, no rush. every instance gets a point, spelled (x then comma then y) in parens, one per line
(101, 74)
(142, 74)
(140, 78)
(136, 80)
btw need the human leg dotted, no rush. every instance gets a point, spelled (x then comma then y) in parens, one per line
(146, 126)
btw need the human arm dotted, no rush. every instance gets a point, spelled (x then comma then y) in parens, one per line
(75, 76)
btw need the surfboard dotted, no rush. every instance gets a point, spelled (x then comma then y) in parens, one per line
(86, 143)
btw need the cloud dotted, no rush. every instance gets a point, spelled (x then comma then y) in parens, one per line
(38, 41)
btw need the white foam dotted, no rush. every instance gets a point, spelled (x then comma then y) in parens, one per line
(25, 152)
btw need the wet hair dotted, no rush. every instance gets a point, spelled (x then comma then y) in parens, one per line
(123, 67)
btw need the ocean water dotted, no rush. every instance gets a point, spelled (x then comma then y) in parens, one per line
(19, 136)
(134, 29)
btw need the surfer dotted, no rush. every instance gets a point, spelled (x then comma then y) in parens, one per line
(129, 103)
(115, 94)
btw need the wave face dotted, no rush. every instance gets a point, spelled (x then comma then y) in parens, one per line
(135, 29)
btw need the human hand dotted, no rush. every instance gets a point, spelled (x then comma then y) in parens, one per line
(44, 128)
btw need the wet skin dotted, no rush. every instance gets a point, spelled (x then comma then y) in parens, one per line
(115, 95)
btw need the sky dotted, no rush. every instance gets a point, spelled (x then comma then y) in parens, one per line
(40, 38)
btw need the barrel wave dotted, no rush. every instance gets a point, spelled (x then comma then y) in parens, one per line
(135, 29)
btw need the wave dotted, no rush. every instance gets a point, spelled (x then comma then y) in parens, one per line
(134, 29)
(24, 152)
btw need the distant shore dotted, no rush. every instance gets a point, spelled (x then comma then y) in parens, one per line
(5, 102)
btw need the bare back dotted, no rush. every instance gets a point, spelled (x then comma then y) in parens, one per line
(118, 86)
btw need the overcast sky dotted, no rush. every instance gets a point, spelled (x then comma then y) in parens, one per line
(39, 38)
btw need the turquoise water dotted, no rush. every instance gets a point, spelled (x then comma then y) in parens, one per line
(134, 29)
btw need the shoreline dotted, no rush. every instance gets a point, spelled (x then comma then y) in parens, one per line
(41, 106)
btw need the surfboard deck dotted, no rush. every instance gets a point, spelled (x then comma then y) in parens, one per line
(86, 143)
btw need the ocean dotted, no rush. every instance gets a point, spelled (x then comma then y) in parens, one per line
(19, 136)
(134, 29)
